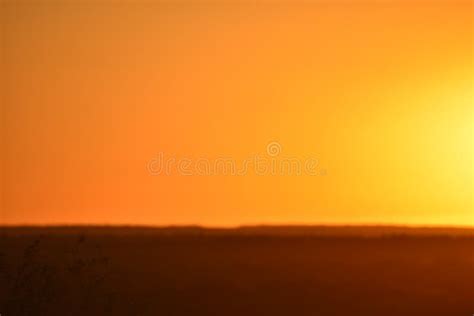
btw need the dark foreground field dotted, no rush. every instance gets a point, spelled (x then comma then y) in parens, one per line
(252, 271)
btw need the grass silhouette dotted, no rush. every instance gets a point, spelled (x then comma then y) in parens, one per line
(245, 271)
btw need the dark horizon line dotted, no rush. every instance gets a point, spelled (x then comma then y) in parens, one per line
(240, 226)
(257, 229)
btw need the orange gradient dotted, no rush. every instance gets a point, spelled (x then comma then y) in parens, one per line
(380, 92)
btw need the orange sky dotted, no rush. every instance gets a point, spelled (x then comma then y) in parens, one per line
(380, 92)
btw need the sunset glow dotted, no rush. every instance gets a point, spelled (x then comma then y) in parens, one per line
(380, 93)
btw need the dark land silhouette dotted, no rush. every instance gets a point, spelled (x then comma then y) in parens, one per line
(262, 270)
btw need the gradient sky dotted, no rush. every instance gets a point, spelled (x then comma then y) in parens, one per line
(380, 92)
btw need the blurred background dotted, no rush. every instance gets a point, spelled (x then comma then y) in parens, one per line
(380, 92)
